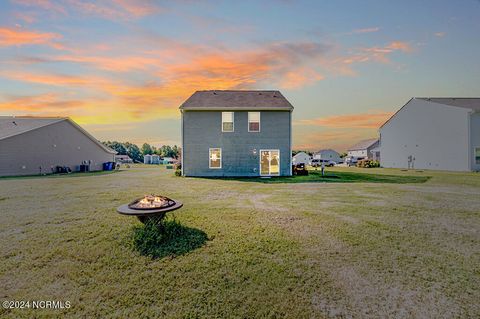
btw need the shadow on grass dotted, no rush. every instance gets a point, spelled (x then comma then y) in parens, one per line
(336, 177)
(70, 175)
(169, 238)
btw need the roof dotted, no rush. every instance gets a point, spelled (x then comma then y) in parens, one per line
(470, 103)
(300, 153)
(363, 145)
(16, 125)
(11, 126)
(237, 100)
(466, 103)
(326, 150)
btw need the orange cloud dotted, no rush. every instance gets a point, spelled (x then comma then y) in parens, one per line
(440, 34)
(362, 120)
(45, 104)
(18, 37)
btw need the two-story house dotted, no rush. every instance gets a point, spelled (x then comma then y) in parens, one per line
(236, 133)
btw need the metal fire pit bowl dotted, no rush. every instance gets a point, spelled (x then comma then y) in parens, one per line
(150, 208)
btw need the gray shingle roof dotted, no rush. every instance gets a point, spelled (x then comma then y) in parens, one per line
(11, 126)
(237, 100)
(467, 103)
(15, 125)
(363, 145)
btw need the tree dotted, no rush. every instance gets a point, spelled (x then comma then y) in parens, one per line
(134, 152)
(147, 149)
(116, 146)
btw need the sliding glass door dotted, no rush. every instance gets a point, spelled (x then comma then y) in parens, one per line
(269, 162)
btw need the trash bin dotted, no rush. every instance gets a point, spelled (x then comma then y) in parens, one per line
(105, 166)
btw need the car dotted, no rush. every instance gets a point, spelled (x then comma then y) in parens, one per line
(318, 162)
(352, 160)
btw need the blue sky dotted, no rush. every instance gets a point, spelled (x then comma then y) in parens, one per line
(121, 68)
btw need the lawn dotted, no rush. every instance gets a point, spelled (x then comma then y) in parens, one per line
(369, 243)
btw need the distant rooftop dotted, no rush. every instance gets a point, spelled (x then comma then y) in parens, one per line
(237, 100)
(363, 145)
(472, 103)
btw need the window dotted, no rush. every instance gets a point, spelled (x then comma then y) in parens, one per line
(477, 155)
(215, 155)
(254, 121)
(227, 121)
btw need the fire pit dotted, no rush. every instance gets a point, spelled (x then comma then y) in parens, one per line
(150, 207)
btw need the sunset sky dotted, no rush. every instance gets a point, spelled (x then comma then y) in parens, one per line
(121, 68)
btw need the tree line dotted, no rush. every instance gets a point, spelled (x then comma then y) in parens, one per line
(136, 153)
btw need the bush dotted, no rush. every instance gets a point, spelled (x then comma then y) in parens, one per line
(367, 163)
(178, 169)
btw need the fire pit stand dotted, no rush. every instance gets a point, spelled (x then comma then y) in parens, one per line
(150, 208)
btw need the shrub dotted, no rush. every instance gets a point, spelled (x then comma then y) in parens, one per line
(367, 163)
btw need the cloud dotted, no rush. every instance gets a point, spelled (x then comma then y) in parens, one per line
(366, 30)
(440, 34)
(20, 37)
(48, 104)
(361, 120)
(107, 9)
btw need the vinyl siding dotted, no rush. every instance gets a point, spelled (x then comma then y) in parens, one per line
(436, 135)
(35, 149)
(202, 130)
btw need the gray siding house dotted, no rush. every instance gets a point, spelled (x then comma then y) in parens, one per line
(236, 133)
(433, 133)
(33, 145)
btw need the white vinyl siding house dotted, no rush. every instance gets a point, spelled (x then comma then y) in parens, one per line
(301, 158)
(433, 133)
(328, 154)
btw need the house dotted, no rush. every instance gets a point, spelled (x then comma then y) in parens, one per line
(123, 159)
(35, 145)
(328, 154)
(236, 133)
(433, 133)
(301, 158)
(363, 149)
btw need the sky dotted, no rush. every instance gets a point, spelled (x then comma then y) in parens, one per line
(121, 68)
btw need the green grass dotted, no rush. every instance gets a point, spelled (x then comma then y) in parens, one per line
(63, 175)
(377, 246)
(335, 176)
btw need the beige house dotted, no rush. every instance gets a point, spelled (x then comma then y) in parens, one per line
(34, 145)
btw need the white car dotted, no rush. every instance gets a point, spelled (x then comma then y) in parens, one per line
(318, 162)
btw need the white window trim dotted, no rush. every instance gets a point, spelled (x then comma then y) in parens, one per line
(209, 159)
(233, 122)
(259, 122)
(279, 163)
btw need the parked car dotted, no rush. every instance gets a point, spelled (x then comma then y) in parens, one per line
(352, 160)
(318, 162)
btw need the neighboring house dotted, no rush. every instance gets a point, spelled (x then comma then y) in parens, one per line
(34, 145)
(328, 154)
(301, 158)
(363, 149)
(433, 133)
(236, 133)
(123, 159)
